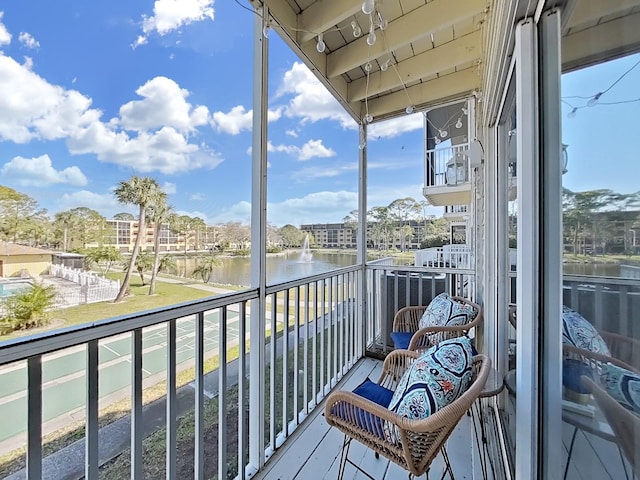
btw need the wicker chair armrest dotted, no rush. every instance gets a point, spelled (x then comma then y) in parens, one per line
(406, 319)
(594, 359)
(623, 348)
(429, 336)
(395, 364)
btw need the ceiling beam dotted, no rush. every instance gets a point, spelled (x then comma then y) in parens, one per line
(321, 16)
(449, 87)
(433, 16)
(615, 38)
(457, 52)
(586, 12)
(282, 13)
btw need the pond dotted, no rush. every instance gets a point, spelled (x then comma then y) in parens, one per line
(280, 268)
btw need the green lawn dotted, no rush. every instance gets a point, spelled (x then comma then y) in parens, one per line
(138, 301)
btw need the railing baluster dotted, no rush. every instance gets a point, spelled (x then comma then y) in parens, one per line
(272, 370)
(242, 403)
(199, 399)
(334, 331)
(171, 400)
(322, 345)
(34, 419)
(222, 394)
(314, 358)
(91, 425)
(305, 360)
(342, 317)
(285, 365)
(623, 302)
(136, 404)
(327, 315)
(296, 359)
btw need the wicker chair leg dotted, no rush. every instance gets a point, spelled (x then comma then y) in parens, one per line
(445, 455)
(343, 456)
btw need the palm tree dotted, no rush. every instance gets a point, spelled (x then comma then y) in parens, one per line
(205, 267)
(159, 214)
(140, 191)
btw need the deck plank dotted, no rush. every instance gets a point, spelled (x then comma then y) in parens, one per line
(315, 442)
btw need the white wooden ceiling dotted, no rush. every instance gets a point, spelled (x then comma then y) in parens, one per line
(434, 47)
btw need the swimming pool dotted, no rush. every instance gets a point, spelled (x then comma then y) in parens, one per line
(13, 287)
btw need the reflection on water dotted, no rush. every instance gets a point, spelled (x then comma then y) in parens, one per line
(593, 269)
(602, 270)
(280, 268)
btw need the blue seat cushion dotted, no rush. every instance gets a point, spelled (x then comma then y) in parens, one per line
(572, 370)
(401, 339)
(374, 392)
(365, 420)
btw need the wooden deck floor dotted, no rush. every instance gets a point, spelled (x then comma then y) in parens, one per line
(313, 451)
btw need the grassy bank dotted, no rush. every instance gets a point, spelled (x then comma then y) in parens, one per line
(138, 301)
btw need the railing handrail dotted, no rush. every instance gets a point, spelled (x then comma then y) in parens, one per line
(277, 287)
(600, 279)
(52, 341)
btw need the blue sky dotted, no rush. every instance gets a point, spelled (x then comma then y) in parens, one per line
(601, 138)
(94, 92)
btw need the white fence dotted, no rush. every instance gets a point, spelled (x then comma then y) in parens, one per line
(447, 256)
(91, 287)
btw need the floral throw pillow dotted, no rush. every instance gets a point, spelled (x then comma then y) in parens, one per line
(577, 331)
(438, 377)
(444, 311)
(622, 384)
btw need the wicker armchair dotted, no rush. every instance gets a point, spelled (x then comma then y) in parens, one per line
(407, 319)
(624, 424)
(625, 351)
(420, 441)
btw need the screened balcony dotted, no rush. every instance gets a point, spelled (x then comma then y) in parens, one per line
(306, 336)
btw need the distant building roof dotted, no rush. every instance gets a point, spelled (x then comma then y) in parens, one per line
(8, 249)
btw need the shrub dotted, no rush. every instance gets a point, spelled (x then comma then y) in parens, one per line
(27, 309)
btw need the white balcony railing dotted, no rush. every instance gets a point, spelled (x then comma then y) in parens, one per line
(447, 166)
(447, 256)
(201, 351)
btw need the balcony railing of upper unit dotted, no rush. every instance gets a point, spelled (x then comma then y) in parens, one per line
(447, 256)
(447, 166)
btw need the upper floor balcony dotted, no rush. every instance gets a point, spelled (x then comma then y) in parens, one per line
(447, 178)
(456, 212)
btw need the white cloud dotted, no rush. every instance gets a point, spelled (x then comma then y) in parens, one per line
(106, 203)
(239, 119)
(39, 172)
(240, 212)
(27, 40)
(234, 122)
(292, 133)
(311, 173)
(319, 207)
(164, 104)
(311, 149)
(289, 149)
(311, 101)
(5, 36)
(169, 15)
(166, 150)
(397, 126)
(315, 148)
(198, 197)
(31, 108)
(169, 188)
